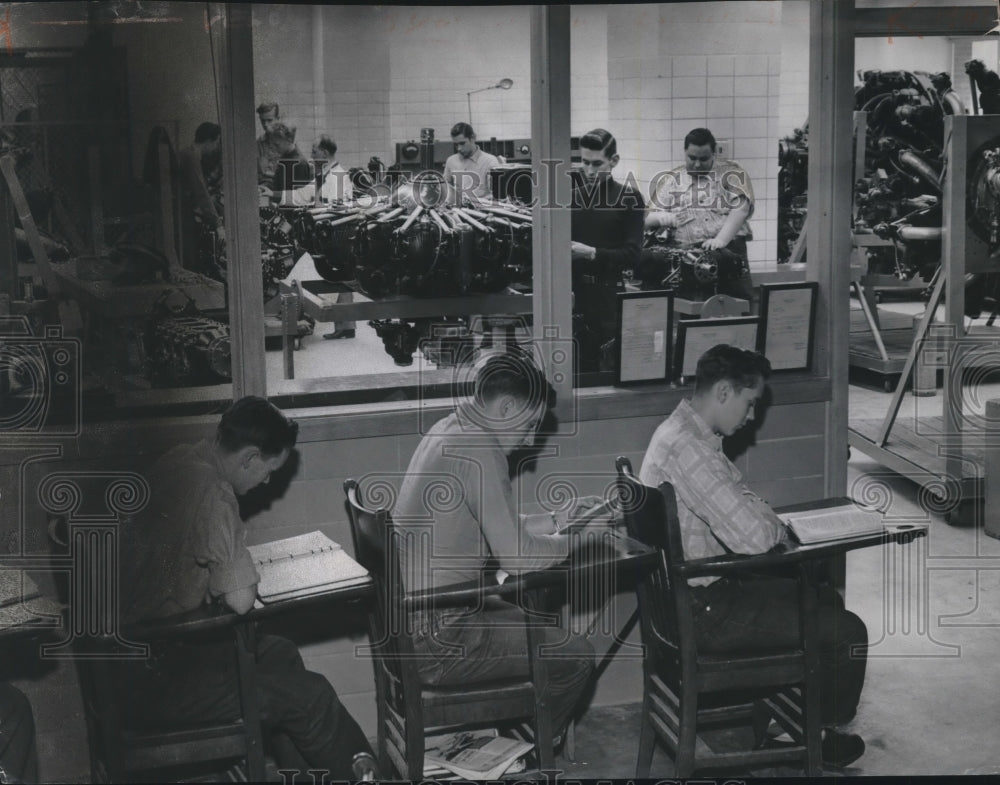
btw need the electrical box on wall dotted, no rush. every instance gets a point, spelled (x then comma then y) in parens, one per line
(723, 148)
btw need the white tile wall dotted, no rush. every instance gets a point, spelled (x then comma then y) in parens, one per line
(729, 83)
(649, 73)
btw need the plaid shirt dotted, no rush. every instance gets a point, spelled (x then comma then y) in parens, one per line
(703, 203)
(718, 513)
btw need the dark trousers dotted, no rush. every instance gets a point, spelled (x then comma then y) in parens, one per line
(199, 682)
(758, 614)
(466, 647)
(595, 323)
(18, 758)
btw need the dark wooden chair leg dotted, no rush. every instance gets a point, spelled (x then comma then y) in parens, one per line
(687, 738)
(246, 656)
(647, 738)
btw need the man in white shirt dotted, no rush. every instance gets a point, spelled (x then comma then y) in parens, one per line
(336, 183)
(468, 170)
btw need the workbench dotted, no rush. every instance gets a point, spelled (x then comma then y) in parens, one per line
(89, 282)
(318, 299)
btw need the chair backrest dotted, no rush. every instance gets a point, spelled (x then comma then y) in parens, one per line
(664, 598)
(376, 549)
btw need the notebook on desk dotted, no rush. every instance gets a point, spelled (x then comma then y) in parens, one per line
(833, 523)
(303, 565)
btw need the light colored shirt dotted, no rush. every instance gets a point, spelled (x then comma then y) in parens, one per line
(336, 186)
(456, 510)
(189, 543)
(718, 513)
(471, 176)
(701, 203)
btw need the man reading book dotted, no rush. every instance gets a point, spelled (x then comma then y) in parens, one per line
(458, 514)
(187, 548)
(720, 514)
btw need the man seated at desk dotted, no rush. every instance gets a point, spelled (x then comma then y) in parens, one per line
(707, 202)
(606, 236)
(465, 457)
(187, 548)
(719, 514)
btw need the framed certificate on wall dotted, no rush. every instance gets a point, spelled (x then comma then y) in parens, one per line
(697, 336)
(787, 324)
(644, 320)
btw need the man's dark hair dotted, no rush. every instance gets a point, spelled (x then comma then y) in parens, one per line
(600, 140)
(741, 367)
(699, 137)
(269, 107)
(512, 373)
(325, 142)
(207, 132)
(463, 129)
(256, 422)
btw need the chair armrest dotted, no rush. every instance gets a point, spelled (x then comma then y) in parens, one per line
(737, 563)
(626, 555)
(183, 625)
(471, 592)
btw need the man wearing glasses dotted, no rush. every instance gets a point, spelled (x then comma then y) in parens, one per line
(606, 240)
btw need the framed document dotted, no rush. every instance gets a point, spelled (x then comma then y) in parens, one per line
(787, 324)
(644, 320)
(697, 336)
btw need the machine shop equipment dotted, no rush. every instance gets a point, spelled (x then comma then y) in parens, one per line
(409, 239)
(899, 197)
(443, 342)
(693, 273)
(414, 243)
(185, 347)
(277, 246)
(793, 185)
(940, 445)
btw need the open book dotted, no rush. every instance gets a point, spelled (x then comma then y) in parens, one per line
(303, 565)
(833, 523)
(473, 755)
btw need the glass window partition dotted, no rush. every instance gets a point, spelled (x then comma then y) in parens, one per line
(393, 142)
(112, 182)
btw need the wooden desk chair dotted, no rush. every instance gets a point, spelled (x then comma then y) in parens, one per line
(119, 753)
(408, 708)
(677, 678)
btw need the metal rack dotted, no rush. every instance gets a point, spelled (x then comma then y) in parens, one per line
(946, 453)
